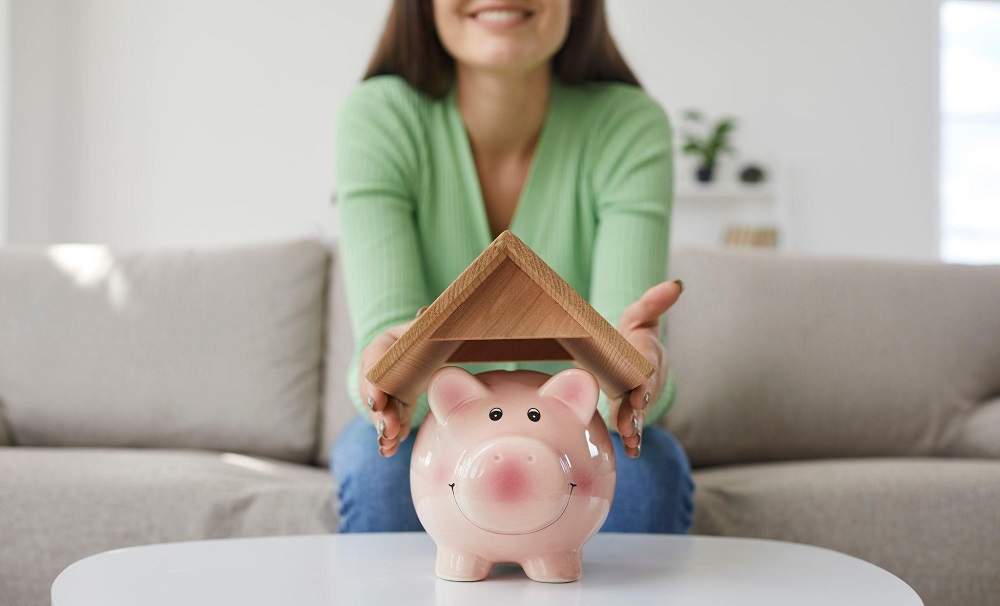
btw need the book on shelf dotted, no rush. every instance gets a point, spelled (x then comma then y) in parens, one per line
(738, 236)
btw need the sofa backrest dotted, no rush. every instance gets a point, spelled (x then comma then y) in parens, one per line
(218, 349)
(793, 357)
(337, 408)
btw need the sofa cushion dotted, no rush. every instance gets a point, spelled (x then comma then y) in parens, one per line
(61, 505)
(216, 348)
(935, 523)
(792, 357)
(337, 408)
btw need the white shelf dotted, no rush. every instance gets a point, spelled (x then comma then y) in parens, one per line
(703, 213)
(723, 190)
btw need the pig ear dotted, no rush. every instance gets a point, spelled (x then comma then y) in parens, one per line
(449, 388)
(576, 388)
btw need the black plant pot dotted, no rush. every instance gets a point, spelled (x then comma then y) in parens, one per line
(705, 174)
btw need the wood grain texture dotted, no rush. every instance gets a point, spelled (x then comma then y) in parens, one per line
(508, 305)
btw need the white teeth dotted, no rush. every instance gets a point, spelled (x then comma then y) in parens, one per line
(500, 16)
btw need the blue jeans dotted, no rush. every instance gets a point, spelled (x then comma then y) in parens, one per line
(653, 493)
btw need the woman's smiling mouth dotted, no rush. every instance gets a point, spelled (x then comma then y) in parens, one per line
(495, 18)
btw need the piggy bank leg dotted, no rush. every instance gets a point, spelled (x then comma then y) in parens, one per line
(461, 566)
(561, 567)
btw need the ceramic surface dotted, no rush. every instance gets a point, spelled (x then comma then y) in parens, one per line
(512, 466)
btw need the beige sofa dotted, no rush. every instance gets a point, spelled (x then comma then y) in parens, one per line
(849, 404)
(158, 396)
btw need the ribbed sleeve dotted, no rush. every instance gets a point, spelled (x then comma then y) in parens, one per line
(377, 164)
(633, 185)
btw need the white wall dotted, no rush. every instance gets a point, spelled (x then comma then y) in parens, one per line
(5, 46)
(36, 52)
(196, 121)
(842, 96)
(179, 121)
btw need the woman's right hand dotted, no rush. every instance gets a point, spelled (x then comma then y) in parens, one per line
(390, 416)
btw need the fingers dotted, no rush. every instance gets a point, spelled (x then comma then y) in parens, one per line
(639, 397)
(629, 418)
(630, 421)
(390, 417)
(639, 324)
(386, 446)
(392, 425)
(397, 421)
(651, 305)
(373, 397)
(649, 347)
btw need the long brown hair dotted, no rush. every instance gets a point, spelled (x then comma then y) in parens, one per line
(410, 48)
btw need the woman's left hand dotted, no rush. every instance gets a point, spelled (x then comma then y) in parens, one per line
(640, 325)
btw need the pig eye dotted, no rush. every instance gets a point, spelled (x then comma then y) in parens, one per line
(495, 414)
(534, 415)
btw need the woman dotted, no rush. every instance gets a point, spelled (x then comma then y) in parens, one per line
(477, 116)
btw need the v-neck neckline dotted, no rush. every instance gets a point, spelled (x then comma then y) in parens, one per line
(474, 183)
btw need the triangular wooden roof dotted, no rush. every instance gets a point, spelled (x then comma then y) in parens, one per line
(508, 306)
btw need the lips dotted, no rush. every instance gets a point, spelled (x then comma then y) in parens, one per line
(501, 15)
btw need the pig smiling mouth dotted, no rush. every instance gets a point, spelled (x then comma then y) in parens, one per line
(565, 507)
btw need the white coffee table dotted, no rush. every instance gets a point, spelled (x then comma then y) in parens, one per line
(390, 569)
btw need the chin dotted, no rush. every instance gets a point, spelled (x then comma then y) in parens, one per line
(504, 61)
(519, 49)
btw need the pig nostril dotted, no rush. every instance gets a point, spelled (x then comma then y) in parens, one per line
(497, 458)
(531, 458)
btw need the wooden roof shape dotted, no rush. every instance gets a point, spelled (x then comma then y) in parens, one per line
(508, 306)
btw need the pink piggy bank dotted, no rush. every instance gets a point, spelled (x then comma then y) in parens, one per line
(512, 467)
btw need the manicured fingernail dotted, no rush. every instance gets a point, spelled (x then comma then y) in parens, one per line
(382, 452)
(645, 401)
(635, 424)
(381, 429)
(371, 403)
(681, 284)
(638, 448)
(420, 311)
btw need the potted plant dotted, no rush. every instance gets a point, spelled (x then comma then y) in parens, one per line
(708, 148)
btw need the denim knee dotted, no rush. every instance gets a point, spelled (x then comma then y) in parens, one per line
(373, 491)
(654, 493)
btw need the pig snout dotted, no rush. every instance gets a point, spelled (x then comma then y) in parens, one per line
(513, 486)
